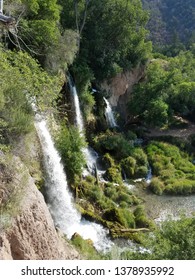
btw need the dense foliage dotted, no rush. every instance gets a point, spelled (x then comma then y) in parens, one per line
(113, 36)
(39, 33)
(22, 80)
(168, 90)
(174, 240)
(100, 39)
(171, 22)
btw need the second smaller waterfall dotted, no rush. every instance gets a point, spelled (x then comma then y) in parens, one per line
(89, 153)
(109, 114)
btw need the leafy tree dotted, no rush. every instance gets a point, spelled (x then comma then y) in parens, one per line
(113, 37)
(168, 89)
(39, 33)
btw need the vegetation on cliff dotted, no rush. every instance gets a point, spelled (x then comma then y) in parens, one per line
(96, 40)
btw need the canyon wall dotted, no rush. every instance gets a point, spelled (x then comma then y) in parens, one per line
(120, 88)
(27, 231)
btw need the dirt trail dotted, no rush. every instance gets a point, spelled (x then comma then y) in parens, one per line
(176, 132)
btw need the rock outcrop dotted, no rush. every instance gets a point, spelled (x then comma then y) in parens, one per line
(27, 231)
(120, 88)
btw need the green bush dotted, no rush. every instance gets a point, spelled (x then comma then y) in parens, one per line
(157, 186)
(114, 143)
(123, 216)
(128, 166)
(130, 135)
(113, 174)
(140, 217)
(141, 172)
(70, 144)
(140, 156)
(85, 247)
(108, 160)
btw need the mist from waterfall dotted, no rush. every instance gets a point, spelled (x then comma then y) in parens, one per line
(109, 114)
(59, 198)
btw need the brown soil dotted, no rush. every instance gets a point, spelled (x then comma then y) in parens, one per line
(184, 133)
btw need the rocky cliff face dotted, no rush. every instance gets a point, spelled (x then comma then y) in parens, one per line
(27, 230)
(120, 88)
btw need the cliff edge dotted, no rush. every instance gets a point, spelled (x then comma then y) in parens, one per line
(27, 231)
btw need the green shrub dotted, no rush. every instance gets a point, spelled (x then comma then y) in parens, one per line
(128, 166)
(108, 160)
(70, 144)
(85, 247)
(120, 215)
(130, 135)
(157, 186)
(140, 217)
(141, 172)
(139, 155)
(114, 143)
(111, 192)
(113, 174)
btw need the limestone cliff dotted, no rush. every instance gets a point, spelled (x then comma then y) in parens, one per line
(120, 88)
(27, 230)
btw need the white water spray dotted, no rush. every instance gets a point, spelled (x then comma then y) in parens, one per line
(1, 6)
(109, 114)
(60, 201)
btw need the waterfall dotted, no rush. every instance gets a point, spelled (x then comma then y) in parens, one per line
(89, 153)
(149, 175)
(60, 201)
(1, 6)
(109, 114)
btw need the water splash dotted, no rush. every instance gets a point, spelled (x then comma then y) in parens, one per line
(109, 114)
(149, 175)
(60, 201)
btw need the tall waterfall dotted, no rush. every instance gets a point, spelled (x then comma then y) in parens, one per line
(89, 153)
(109, 114)
(60, 201)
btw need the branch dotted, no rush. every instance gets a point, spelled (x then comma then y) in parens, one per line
(84, 16)
(76, 15)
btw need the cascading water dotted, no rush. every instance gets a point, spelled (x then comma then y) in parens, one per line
(89, 153)
(60, 204)
(109, 114)
(149, 175)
